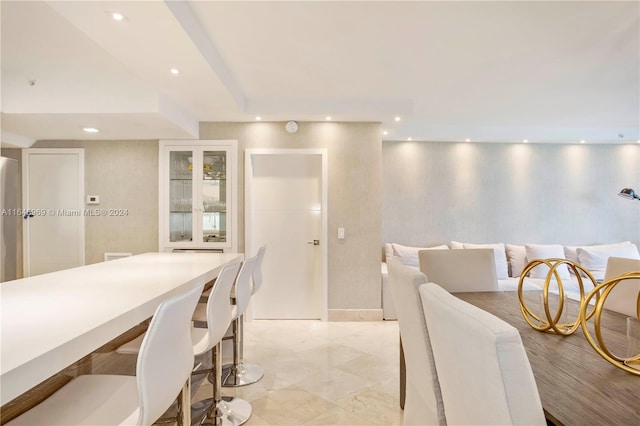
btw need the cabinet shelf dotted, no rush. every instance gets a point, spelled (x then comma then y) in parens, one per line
(204, 179)
(190, 212)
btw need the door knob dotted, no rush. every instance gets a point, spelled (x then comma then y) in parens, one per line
(314, 242)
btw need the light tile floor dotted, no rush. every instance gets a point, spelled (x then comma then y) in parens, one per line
(316, 373)
(321, 373)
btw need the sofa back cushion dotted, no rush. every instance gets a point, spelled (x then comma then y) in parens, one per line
(409, 255)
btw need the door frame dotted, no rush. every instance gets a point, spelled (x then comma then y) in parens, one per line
(26, 258)
(248, 214)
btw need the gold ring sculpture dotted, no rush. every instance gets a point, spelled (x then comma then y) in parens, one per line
(601, 292)
(552, 324)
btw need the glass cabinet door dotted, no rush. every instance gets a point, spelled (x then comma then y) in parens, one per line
(214, 196)
(180, 196)
(198, 195)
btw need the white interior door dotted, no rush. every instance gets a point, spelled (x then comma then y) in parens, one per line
(53, 191)
(285, 212)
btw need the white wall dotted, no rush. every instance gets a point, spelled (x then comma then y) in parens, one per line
(512, 193)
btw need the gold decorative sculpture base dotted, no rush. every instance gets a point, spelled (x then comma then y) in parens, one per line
(551, 323)
(629, 364)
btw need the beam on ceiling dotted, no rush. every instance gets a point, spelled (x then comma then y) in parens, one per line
(189, 22)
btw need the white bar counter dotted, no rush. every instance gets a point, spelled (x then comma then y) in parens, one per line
(50, 321)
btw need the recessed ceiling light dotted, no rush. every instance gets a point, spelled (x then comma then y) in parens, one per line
(327, 118)
(258, 118)
(117, 16)
(174, 71)
(90, 129)
(409, 139)
(638, 141)
(384, 132)
(525, 140)
(467, 140)
(397, 118)
(582, 141)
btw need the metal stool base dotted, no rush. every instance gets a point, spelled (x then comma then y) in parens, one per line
(245, 374)
(238, 412)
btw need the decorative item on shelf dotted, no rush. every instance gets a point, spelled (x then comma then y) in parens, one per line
(207, 165)
(630, 363)
(552, 323)
(629, 194)
(214, 206)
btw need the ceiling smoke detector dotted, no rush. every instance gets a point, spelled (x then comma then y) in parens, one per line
(291, 126)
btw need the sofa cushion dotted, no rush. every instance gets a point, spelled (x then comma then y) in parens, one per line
(517, 258)
(571, 252)
(456, 245)
(409, 255)
(594, 258)
(546, 251)
(388, 251)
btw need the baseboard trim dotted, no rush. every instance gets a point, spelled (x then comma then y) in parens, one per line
(354, 315)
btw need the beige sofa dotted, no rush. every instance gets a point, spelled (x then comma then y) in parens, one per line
(511, 259)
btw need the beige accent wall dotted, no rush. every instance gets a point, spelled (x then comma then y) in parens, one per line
(354, 202)
(512, 193)
(125, 176)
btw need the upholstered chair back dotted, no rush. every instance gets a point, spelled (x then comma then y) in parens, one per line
(483, 369)
(624, 296)
(460, 270)
(423, 403)
(166, 356)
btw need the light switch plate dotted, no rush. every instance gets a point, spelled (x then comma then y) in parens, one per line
(340, 233)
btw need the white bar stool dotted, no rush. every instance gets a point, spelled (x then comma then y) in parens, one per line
(218, 314)
(163, 371)
(240, 373)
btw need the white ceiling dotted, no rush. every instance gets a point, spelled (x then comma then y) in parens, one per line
(488, 71)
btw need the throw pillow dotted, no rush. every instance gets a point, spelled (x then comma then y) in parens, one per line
(594, 258)
(546, 251)
(517, 257)
(409, 255)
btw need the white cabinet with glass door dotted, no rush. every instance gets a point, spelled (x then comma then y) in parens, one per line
(198, 195)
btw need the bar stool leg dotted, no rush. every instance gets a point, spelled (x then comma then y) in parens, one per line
(184, 400)
(224, 410)
(180, 408)
(177, 414)
(239, 373)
